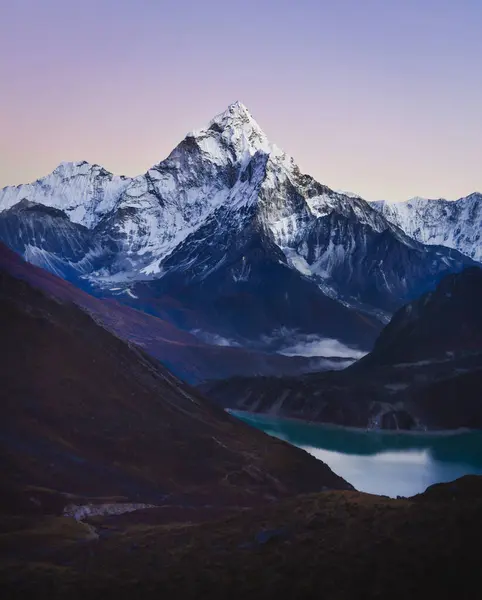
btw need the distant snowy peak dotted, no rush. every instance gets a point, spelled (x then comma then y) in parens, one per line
(67, 169)
(237, 124)
(85, 192)
(455, 224)
(349, 194)
(235, 137)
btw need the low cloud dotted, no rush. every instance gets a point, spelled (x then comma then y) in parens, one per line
(214, 339)
(333, 365)
(313, 345)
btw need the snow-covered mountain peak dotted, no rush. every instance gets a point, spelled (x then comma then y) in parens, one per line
(474, 196)
(234, 137)
(421, 201)
(236, 115)
(348, 194)
(84, 191)
(452, 223)
(225, 203)
(70, 168)
(67, 170)
(235, 110)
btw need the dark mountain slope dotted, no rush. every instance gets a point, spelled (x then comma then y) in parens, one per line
(425, 371)
(183, 353)
(440, 324)
(85, 413)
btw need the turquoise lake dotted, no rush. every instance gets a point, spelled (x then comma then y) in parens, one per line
(381, 462)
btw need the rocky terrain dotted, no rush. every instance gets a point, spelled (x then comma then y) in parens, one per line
(425, 371)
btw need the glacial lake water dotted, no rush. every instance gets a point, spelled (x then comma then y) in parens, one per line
(381, 462)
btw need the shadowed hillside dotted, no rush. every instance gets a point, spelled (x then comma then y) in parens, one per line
(85, 413)
(181, 352)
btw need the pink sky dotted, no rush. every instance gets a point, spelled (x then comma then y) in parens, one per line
(377, 97)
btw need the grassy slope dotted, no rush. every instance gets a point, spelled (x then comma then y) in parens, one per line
(335, 544)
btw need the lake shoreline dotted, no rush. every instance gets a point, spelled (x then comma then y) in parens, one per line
(414, 432)
(378, 461)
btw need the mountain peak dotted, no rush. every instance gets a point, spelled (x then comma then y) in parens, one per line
(238, 107)
(473, 196)
(69, 164)
(82, 167)
(236, 116)
(452, 223)
(236, 129)
(235, 110)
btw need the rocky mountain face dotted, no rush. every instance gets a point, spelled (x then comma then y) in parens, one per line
(455, 224)
(87, 417)
(231, 229)
(425, 371)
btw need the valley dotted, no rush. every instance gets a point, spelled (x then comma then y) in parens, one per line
(424, 372)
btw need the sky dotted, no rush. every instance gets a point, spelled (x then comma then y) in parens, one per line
(378, 97)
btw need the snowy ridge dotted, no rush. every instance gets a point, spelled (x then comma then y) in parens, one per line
(149, 216)
(83, 191)
(456, 224)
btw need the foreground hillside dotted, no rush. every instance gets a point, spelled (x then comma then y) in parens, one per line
(86, 415)
(332, 545)
(425, 371)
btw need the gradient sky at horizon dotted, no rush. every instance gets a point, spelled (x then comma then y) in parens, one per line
(378, 97)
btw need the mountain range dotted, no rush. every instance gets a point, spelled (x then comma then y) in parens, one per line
(227, 239)
(452, 223)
